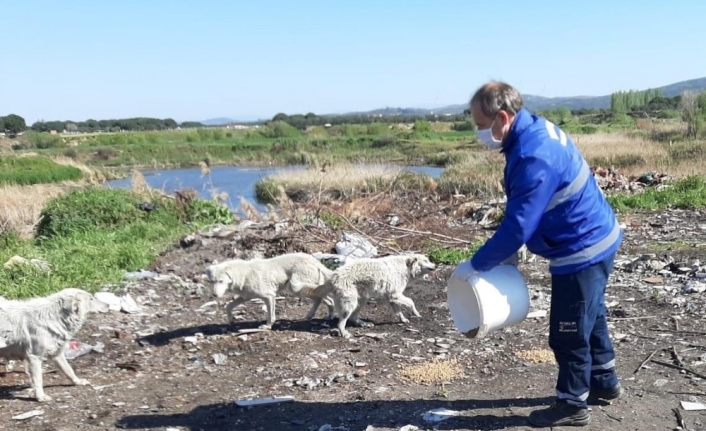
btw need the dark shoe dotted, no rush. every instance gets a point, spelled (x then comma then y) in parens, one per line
(560, 414)
(596, 395)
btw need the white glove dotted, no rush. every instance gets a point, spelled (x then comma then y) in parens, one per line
(465, 270)
(512, 260)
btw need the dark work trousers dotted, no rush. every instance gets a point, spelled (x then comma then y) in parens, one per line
(578, 333)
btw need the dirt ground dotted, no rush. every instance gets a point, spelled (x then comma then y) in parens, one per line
(176, 365)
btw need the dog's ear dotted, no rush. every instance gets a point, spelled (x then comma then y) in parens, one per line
(76, 304)
(411, 260)
(230, 279)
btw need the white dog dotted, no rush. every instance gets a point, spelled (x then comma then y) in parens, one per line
(42, 327)
(353, 284)
(266, 278)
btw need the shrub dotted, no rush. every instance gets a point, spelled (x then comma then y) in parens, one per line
(377, 129)
(267, 191)
(453, 256)
(465, 126)
(44, 140)
(105, 153)
(86, 209)
(218, 134)
(422, 126)
(209, 211)
(71, 153)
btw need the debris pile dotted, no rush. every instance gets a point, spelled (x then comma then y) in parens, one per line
(609, 179)
(486, 214)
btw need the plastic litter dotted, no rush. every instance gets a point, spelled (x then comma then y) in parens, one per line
(140, 275)
(438, 415)
(77, 348)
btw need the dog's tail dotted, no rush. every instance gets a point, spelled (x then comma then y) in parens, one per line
(308, 289)
(324, 274)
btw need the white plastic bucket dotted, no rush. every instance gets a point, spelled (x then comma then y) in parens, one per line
(487, 301)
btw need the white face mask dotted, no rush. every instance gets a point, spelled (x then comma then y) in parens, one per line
(487, 138)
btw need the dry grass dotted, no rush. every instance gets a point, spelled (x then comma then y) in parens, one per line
(634, 155)
(205, 169)
(90, 175)
(22, 205)
(616, 145)
(435, 371)
(342, 182)
(479, 174)
(339, 176)
(630, 154)
(250, 211)
(139, 184)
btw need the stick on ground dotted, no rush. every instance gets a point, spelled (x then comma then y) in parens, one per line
(647, 359)
(680, 419)
(673, 331)
(677, 367)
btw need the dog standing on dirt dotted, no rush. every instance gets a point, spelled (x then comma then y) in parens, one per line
(39, 328)
(353, 284)
(266, 278)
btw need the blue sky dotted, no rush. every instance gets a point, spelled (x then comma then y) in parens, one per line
(194, 60)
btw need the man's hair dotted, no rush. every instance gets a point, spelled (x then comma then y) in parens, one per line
(496, 96)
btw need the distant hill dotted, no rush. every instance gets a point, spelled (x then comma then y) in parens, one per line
(540, 103)
(217, 121)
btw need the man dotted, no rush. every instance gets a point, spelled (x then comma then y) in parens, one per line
(555, 207)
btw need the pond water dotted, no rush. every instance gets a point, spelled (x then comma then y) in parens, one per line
(235, 180)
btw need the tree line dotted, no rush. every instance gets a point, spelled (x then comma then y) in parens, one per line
(13, 124)
(301, 122)
(625, 101)
(139, 124)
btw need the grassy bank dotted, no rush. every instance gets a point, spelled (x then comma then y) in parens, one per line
(91, 236)
(277, 144)
(35, 170)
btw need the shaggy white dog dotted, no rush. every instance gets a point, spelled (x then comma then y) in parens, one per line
(266, 278)
(353, 284)
(39, 328)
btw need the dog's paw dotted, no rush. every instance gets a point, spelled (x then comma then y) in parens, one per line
(344, 334)
(43, 398)
(265, 326)
(360, 323)
(81, 382)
